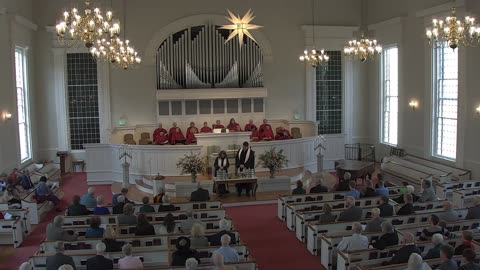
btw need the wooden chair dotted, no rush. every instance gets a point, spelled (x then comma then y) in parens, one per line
(128, 139)
(145, 139)
(296, 134)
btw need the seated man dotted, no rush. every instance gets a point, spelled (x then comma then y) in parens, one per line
(175, 135)
(55, 231)
(282, 134)
(44, 193)
(206, 128)
(224, 227)
(146, 208)
(299, 190)
(250, 126)
(77, 209)
(407, 208)
(118, 208)
(234, 126)
(89, 199)
(218, 125)
(256, 136)
(99, 261)
(448, 214)
(199, 195)
(319, 187)
(386, 209)
(267, 134)
(474, 212)
(124, 193)
(13, 178)
(264, 126)
(344, 185)
(356, 241)
(388, 238)
(374, 225)
(59, 259)
(26, 181)
(446, 254)
(353, 190)
(127, 217)
(402, 255)
(230, 255)
(428, 194)
(160, 135)
(191, 131)
(352, 212)
(166, 206)
(382, 190)
(434, 252)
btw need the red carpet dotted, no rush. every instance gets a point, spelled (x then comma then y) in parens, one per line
(272, 245)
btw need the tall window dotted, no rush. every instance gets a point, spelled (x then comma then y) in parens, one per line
(21, 78)
(82, 100)
(390, 96)
(445, 102)
(329, 95)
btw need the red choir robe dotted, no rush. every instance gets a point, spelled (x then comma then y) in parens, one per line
(234, 127)
(283, 134)
(255, 137)
(206, 130)
(191, 131)
(175, 134)
(160, 136)
(250, 127)
(263, 127)
(267, 134)
(218, 126)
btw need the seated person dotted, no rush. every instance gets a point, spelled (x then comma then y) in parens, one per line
(183, 252)
(388, 238)
(386, 209)
(12, 197)
(415, 262)
(267, 134)
(299, 190)
(199, 195)
(428, 194)
(94, 231)
(469, 258)
(409, 247)
(127, 218)
(206, 128)
(143, 226)
(99, 261)
(55, 231)
(374, 225)
(175, 135)
(101, 209)
(407, 208)
(434, 252)
(191, 131)
(221, 164)
(369, 191)
(3, 182)
(110, 240)
(59, 259)
(191, 264)
(218, 125)
(327, 216)
(434, 228)
(381, 190)
(224, 227)
(352, 212)
(169, 226)
(255, 136)
(123, 193)
(77, 209)
(197, 236)
(250, 126)
(129, 261)
(146, 208)
(159, 197)
(446, 254)
(467, 237)
(26, 181)
(187, 224)
(318, 188)
(118, 208)
(356, 241)
(448, 214)
(219, 263)
(264, 125)
(353, 190)
(410, 190)
(282, 134)
(166, 206)
(89, 199)
(160, 135)
(230, 255)
(234, 126)
(14, 178)
(344, 184)
(474, 212)
(44, 193)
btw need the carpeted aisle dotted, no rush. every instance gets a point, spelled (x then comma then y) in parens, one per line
(272, 245)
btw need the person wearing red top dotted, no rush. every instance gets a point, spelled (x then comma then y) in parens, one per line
(282, 134)
(255, 137)
(233, 126)
(160, 135)
(13, 178)
(250, 126)
(191, 131)
(467, 243)
(218, 125)
(175, 134)
(267, 134)
(206, 128)
(263, 126)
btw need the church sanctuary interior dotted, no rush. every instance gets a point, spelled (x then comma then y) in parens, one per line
(240, 134)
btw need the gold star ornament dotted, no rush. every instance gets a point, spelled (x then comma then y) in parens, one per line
(240, 26)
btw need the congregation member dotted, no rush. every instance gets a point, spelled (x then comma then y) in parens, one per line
(197, 236)
(467, 237)
(386, 209)
(26, 180)
(264, 125)
(299, 190)
(55, 231)
(448, 214)
(221, 164)
(123, 193)
(381, 190)
(3, 182)
(183, 252)
(469, 258)
(160, 135)
(89, 199)
(428, 194)
(127, 218)
(56, 261)
(175, 135)
(191, 264)
(206, 128)
(255, 136)
(230, 255)
(166, 206)
(415, 262)
(282, 134)
(409, 189)
(446, 254)
(110, 240)
(407, 208)
(250, 126)
(434, 252)
(101, 209)
(94, 231)
(318, 188)
(234, 126)
(159, 197)
(388, 238)
(129, 261)
(191, 131)
(77, 209)
(146, 208)
(200, 195)
(354, 242)
(474, 212)
(344, 184)
(118, 208)
(218, 125)
(352, 212)
(169, 226)
(374, 225)
(409, 247)
(66, 267)
(244, 160)
(26, 266)
(326, 216)
(219, 263)
(434, 228)
(12, 197)
(143, 226)
(353, 190)
(369, 190)
(13, 179)
(224, 227)
(267, 134)
(99, 262)
(187, 224)
(44, 193)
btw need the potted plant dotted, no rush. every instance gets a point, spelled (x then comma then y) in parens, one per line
(273, 160)
(191, 164)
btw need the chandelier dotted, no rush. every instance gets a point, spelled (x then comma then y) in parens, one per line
(314, 57)
(363, 49)
(453, 31)
(116, 51)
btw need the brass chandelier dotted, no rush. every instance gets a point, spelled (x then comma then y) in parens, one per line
(362, 49)
(314, 57)
(116, 51)
(453, 31)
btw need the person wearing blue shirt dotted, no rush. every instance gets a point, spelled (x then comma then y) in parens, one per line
(44, 193)
(89, 199)
(100, 209)
(94, 231)
(3, 182)
(382, 190)
(26, 181)
(353, 192)
(230, 255)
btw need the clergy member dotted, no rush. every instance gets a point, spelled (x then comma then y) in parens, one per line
(191, 131)
(218, 125)
(244, 160)
(221, 164)
(264, 125)
(206, 128)
(267, 134)
(250, 126)
(255, 137)
(234, 126)
(160, 135)
(282, 134)
(175, 134)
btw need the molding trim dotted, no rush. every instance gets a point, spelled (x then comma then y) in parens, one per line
(25, 22)
(393, 21)
(439, 9)
(218, 93)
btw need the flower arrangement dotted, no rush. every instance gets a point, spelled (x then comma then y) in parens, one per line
(191, 164)
(273, 160)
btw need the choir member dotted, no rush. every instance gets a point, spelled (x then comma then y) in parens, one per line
(218, 125)
(282, 134)
(175, 134)
(191, 131)
(234, 126)
(267, 134)
(250, 126)
(160, 135)
(264, 125)
(244, 160)
(255, 137)
(206, 128)
(221, 164)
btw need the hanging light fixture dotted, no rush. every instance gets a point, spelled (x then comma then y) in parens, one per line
(240, 26)
(313, 57)
(453, 31)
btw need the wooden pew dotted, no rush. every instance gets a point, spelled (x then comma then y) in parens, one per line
(397, 173)
(470, 185)
(457, 226)
(37, 210)
(457, 173)
(11, 232)
(179, 206)
(441, 176)
(461, 196)
(25, 219)
(246, 265)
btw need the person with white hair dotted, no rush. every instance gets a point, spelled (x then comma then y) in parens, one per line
(25, 266)
(407, 208)
(224, 226)
(388, 238)
(434, 252)
(166, 206)
(118, 208)
(89, 199)
(448, 214)
(219, 263)
(374, 225)
(344, 184)
(123, 192)
(403, 254)
(197, 236)
(100, 208)
(474, 212)
(191, 264)
(55, 231)
(59, 259)
(409, 189)
(99, 262)
(186, 225)
(129, 261)
(415, 262)
(354, 242)
(66, 267)
(230, 255)
(351, 212)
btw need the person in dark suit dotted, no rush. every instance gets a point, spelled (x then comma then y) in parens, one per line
(407, 208)
(369, 190)
(183, 252)
(221, 164)
(224, 226)
(474, 212)
(388, 238)
(402, 255)
(99, 262)
(244, 160)
(327, 216)
(199, 195)
(123, 193)
(166, 206)
(319, 188)
(118, 208)
(386, 209)
(299, 190)
(352, 212)
(434, 252)
(77, 209)
(59, 259)
(112, 245)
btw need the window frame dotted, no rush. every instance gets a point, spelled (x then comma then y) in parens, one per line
(383, 96)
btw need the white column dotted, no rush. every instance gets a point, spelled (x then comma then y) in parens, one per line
(59, 63)
(103, 73)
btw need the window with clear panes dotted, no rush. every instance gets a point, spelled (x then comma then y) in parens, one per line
(389, 96)
(23, 105)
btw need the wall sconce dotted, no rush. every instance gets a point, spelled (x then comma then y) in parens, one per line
(7, 116)
(413, 104)
(478, 110)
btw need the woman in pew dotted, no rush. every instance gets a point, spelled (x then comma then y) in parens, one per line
(388, 238)
(197, 236)
(129, 261)
(109, 240)
(77, 209)
(434, 252)
(94, 231)
(169, 226)
(143, 226)
(407, 208)
(100, 209)
(183, 252)
(327, 216)
(434, 228)
(415, 262)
